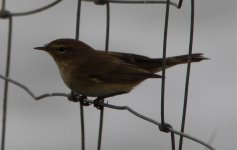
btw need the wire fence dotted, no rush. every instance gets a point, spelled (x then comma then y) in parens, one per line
(163, 126)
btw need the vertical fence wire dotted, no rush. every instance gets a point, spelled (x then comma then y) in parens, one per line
(81, 102)
(163, 124)
(187, 74)
(82, 126)
(106, 49)
(78, 19)
(107, 27)
(164, 63)
(5, 94)
(100, 127)
(180, 4)
(172, 140)
(3, 5)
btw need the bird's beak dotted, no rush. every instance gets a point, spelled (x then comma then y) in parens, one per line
(39, 48)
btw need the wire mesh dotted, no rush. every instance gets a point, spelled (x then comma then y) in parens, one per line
(163, 126)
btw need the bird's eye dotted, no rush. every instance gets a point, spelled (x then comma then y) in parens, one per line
(61, 49)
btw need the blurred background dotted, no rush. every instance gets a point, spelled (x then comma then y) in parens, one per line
(54, 123)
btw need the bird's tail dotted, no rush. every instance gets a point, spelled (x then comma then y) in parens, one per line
(197, 57)
(155, 64)
(176, 60)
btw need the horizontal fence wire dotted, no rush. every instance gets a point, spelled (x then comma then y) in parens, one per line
(108, 106)
(6, 14)
(133, 2)
(36, 10)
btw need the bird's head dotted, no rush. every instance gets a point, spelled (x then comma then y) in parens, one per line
(66, 49)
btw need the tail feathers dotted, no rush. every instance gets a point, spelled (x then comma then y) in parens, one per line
(197, 57)
(155, 76)
(175, 60)
(155, 64)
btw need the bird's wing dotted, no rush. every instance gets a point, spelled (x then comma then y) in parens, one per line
(129, 57)
(143, 62)
(125, 72)
(108, 68)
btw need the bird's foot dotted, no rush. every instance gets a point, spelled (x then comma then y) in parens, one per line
(75, 97)
(97, 103)
(83, 101)
(165, 127)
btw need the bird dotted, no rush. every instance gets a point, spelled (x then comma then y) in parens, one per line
(101, 74)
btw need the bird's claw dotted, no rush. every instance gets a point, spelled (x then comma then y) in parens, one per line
(83, 101)
(97, 103)
(75, 97)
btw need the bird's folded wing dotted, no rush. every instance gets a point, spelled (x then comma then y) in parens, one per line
(131, 58)
(143, 62)
(124, 72)
(112, 69)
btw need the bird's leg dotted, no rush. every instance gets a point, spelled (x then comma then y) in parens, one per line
(97, 102)
(75, 97)
(83, 100)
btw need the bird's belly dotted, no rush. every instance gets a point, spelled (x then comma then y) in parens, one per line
(99, 89)
(95, 88)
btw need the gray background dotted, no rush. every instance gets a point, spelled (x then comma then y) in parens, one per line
(54, 123)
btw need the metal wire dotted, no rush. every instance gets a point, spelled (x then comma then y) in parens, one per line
(164, 63)
(187, 74)
(106, 49)
(107, 27)
(154, 122)
(6, 14)
(132, 2)
(172, 140)
(3, 5)
(36, 10)
(82, 126)
(81, 103)
(5, 94)
(100, 126)
(29, 92)
(78, 19)
(108, 106)
(180, 4)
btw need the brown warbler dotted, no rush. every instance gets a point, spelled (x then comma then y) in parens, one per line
(101, 74)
